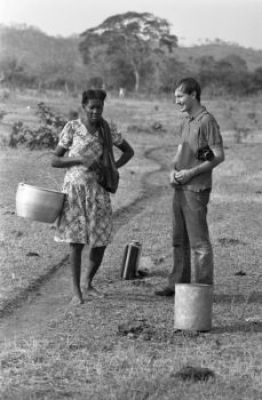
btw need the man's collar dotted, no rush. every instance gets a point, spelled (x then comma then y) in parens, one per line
(199, 112)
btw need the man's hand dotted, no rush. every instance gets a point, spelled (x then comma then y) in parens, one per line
(183, 176)
(172, 178)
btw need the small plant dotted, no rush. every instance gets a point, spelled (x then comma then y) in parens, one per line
(48, 117)
(17, 135)
(2, 114)
(45, 136)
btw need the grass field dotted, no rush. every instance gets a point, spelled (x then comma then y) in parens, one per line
(52, 351)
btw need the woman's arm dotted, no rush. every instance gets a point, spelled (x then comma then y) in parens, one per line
(127, 153)
(59, 161)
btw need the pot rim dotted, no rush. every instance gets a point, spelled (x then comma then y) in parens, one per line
(41, 188)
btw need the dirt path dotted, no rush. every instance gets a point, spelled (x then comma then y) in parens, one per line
(44, 304)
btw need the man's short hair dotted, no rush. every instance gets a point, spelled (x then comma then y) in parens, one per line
(190, 85)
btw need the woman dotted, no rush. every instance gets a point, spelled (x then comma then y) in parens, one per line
(87, 213)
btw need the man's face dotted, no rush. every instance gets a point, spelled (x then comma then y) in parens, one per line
(184, 100)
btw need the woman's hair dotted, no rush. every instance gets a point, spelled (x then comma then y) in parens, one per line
(91, 94)
(190, 85)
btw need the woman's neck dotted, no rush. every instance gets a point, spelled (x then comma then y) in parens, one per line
(91, 127)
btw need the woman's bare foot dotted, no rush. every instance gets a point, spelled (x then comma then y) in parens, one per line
(76, 301)
(77, 297)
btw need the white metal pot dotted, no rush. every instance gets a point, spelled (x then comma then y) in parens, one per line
(38, 204)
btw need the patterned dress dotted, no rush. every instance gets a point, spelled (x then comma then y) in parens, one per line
(87, 214)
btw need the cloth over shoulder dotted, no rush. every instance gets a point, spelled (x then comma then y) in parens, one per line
(108, 175)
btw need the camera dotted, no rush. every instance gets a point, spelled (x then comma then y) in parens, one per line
(205, 154)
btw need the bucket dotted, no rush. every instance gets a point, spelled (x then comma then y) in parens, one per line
(193, 306)
(38, 204)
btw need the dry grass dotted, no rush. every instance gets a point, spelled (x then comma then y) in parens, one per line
(80, 353)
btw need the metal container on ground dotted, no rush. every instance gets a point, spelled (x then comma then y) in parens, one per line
(38, 204)
(130, 262)
(193, 307)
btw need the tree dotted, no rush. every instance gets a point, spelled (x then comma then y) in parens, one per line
(255, 81)
(16, 73)
(172, 71)
(128, 39)
(237, 62)
(229, 73)
(257, 77)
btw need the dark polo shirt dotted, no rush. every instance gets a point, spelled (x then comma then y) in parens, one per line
(195, 133)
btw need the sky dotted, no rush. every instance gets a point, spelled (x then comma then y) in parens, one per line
(192, 21)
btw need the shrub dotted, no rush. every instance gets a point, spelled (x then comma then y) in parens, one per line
(45, 136)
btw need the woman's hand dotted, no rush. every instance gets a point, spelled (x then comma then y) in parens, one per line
(92, 166)
(86, 162)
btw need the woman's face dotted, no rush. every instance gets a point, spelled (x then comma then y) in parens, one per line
(94, 110)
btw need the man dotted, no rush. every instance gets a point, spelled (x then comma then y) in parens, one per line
(199, 151)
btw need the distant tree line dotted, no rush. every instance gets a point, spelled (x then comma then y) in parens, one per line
(158, 77)
(131, 51)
